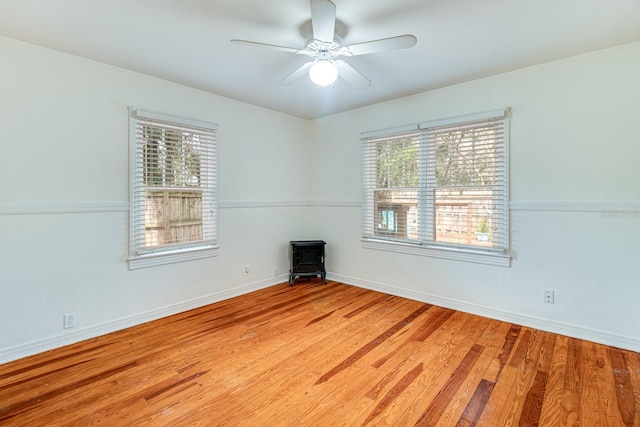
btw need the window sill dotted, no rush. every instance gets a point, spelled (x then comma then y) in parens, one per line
(171, 257)
(454, 254)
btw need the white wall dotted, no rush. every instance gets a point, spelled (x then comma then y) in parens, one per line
(575, 148)
(64, 199)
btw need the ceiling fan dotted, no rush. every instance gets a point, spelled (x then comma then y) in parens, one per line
(325, 47)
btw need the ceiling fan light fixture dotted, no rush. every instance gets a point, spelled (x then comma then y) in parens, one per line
(323, 72)
(324, 46)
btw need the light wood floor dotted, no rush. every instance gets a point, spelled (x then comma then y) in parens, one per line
(324, 355)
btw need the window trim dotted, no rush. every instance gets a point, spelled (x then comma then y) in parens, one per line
(497, 257)
(435, 251)
(170, 257)
(191, 251)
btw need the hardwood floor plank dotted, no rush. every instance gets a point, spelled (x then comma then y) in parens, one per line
(572, 371)
(532, 408)
(599, 400)
(521, 350)
(528, 372)
(368, 305)
(304, 356)
(476, 405)
(489, 339)
(610, 398)
(388, 378)
(10, 411)
(395, 391)
(433, 324)
(358, 354)
(501, 398)
(361, 376)
(623, 388)
(454, 346)
(438, 405)
(515, 377)
(632, 361)
(509, 342)
(316, 354)
(555, 411)
(430, 323)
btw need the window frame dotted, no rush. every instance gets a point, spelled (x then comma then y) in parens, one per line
(179, 252)
(426, 245)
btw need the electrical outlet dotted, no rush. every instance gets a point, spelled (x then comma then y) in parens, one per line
(275, 271)
(549, 297)
(69, 320)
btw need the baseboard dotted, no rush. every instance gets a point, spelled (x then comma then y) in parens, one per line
(81, 334)
(575, 331)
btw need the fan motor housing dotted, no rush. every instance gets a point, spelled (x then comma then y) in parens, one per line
(316, 47)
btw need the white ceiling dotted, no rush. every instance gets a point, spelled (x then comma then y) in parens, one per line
(187, 41)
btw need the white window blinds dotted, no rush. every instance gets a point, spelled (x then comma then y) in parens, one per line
(173, 191)
(442, 183)
(392, 190)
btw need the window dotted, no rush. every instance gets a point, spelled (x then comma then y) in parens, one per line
(173, 189)
(439, 186)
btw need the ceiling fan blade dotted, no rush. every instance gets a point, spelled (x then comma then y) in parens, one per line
(269, 46)
(382, 45)
(296, 74)
(323, 20)
(351, 75)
